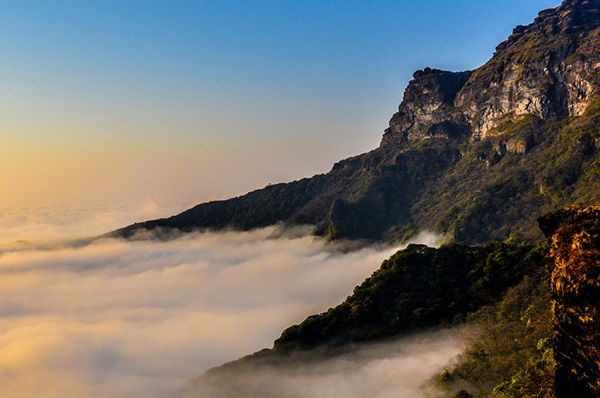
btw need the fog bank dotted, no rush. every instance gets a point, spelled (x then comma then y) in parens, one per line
(139, 319)
(393, 369)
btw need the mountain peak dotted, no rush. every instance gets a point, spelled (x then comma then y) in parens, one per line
(547, 68)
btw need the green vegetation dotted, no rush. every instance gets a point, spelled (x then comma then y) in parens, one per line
(510, 353)
(416, 288)
(499, 290)
(492, 193)
(575, 57)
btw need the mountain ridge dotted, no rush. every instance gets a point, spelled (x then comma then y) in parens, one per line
(475, 155)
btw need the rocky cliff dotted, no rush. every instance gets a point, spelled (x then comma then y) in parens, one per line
(574, 235)
(475, 155)
(548, 68)
(428, 110)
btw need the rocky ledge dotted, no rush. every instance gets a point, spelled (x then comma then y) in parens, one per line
(574, 236)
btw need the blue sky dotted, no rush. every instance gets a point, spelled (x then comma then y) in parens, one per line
(197, 100)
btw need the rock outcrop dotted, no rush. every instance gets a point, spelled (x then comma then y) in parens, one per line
(548, 68)
(574, 235)
(428, 110)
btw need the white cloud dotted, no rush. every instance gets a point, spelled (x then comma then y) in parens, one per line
(138, 319)
(393, 369)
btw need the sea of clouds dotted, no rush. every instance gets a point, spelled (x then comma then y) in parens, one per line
(132, 319)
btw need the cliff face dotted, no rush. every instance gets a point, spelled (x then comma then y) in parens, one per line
(574, 235)
(428, 110)
(548, 68)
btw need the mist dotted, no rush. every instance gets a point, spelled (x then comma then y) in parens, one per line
(141, 318)
(401, 368)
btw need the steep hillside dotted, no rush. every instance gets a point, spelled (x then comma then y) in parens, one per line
(510, 351)
(415, 289)
(477, 155)
(532, 314)
(543, 338)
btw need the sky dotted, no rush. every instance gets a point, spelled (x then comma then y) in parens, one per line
(113, 112)
(173, 103)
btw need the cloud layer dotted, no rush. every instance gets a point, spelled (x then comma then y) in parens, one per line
(385, 370)
(139, 319)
